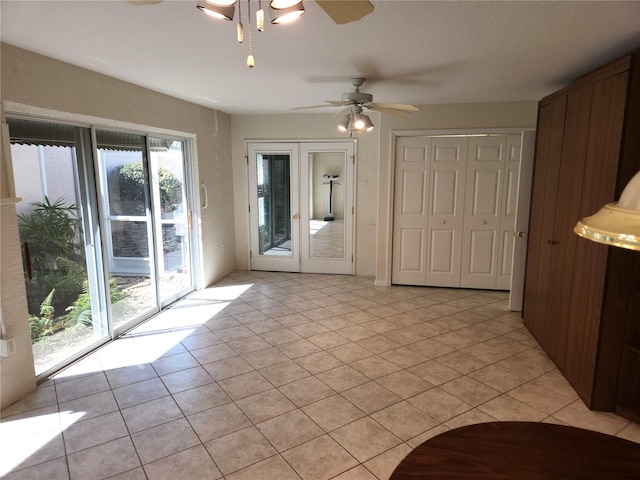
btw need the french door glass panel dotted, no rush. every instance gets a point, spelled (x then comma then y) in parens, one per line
(274, 216)
(326, 195)
(53, 176)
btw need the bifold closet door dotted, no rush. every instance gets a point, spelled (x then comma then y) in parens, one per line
(454, 210)
(428, 215)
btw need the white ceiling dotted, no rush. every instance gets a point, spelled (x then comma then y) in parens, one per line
(417, 52)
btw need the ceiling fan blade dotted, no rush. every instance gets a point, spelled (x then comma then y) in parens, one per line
(397, 106)
(145, 2)
(345, 11)
(330, 103)
(391, 111)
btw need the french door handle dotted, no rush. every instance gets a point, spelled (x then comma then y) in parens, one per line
(296, 216)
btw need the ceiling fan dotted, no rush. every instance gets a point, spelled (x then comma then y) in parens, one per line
(341, 12)
(360, 100)
(354, 103)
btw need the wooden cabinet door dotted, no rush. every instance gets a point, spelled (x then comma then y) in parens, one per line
(600, 170)
(563, 242)
(551, 116)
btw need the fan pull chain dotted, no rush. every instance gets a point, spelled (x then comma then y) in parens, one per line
(240, 27)
(250, 61)
(260, 17)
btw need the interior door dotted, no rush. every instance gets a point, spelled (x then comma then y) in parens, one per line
(326, 207)
(274, 213)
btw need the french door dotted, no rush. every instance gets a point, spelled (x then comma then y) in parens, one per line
(104, 224)
(301, 206)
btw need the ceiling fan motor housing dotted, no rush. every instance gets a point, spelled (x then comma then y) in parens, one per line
(357, 98)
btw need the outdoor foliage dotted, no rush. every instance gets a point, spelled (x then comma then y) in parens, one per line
(127, 192)
(127, 197)
(58, 293)
(53, 231)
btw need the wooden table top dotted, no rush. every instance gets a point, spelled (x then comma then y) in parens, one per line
(521, 451)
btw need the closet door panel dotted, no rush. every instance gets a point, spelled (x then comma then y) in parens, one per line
(446, 217)
(411, 211)
(483, 202)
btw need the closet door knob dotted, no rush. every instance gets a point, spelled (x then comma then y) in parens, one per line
(484, 222)
(552, 242)
(443, 222)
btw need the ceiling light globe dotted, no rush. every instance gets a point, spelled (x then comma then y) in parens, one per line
(288, 18)
(368, 124)
(282, 4)
(223, 9)
(344, 123)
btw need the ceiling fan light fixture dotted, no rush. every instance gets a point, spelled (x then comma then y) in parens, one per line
(282, 4)
(220, 9)
(286, 14)
(343, 126)
(358, 121)
(368, 124)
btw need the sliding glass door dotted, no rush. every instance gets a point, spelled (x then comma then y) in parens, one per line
(128, 228)
(53, 174)
(105, 224)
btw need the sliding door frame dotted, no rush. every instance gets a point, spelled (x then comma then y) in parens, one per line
(90, 204)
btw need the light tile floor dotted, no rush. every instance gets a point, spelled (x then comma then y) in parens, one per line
(287, 376)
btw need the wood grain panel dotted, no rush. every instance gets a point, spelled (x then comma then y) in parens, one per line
(549, 135)
(598, 187)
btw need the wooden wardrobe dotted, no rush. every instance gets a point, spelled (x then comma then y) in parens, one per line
(582, 299)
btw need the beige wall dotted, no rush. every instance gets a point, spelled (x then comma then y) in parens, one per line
(37, 85)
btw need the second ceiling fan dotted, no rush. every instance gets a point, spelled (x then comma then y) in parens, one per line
(355, 103)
